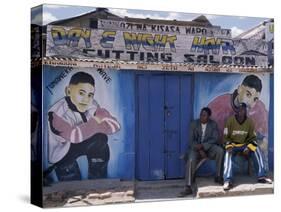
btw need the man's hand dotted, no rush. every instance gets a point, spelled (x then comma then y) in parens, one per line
(246, 152)
(198, 147)
(202, 154)
(229, 149)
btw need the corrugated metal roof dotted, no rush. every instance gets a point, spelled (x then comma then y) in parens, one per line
(257, 32)
(201, 20)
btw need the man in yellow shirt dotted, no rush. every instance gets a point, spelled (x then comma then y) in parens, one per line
(240, 136)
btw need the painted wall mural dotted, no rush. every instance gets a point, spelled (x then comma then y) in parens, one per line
(114, 93)
(222, 93)
(88, 127)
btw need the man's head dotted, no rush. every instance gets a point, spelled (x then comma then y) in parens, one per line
(205, 115)
(81, 90)
(242, 111)
(249, 91)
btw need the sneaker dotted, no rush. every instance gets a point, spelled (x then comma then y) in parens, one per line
(227, 185)
(187, 191)
(265, 180)
(219, 180)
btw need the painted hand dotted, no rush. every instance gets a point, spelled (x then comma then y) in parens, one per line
(102, 113)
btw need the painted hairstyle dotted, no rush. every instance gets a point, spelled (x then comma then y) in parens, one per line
(82, 77)
(253, 81)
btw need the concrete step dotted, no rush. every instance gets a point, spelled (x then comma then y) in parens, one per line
(243, 185)
(159, 184)
(88, 192)
(205, 186)
(107, 191)
(85, 185)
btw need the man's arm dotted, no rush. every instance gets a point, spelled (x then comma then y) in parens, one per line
(213, 138)
(194, 144)
(252, 138)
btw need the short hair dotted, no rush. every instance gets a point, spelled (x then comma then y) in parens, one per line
(81, 77)
(253, 81)
(207, 110)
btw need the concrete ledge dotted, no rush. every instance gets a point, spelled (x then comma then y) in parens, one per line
(243, 185)
(108, 191)
(206, 188)
(88, 192)
(85, 185)
(160, 190)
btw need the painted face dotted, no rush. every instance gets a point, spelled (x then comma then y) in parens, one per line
(81, 95)
(204, 117)
(248, 95)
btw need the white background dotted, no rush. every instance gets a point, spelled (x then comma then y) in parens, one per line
(15, 99)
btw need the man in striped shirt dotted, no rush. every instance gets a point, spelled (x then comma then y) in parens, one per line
(240, 136)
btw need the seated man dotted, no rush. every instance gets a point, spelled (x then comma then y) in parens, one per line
(239, 136)
(203, 144)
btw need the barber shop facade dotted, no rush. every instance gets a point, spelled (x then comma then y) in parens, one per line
(151, 79)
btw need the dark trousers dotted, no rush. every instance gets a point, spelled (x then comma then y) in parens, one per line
(97, 151)
(214, 153)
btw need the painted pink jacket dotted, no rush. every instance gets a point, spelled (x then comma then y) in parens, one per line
(68, 126)
(222, 108)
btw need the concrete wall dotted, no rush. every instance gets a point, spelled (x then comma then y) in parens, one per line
(115, 91)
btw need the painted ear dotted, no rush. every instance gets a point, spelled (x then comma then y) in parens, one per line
(67, 91)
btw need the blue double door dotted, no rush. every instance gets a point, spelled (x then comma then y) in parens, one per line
(164, 111)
